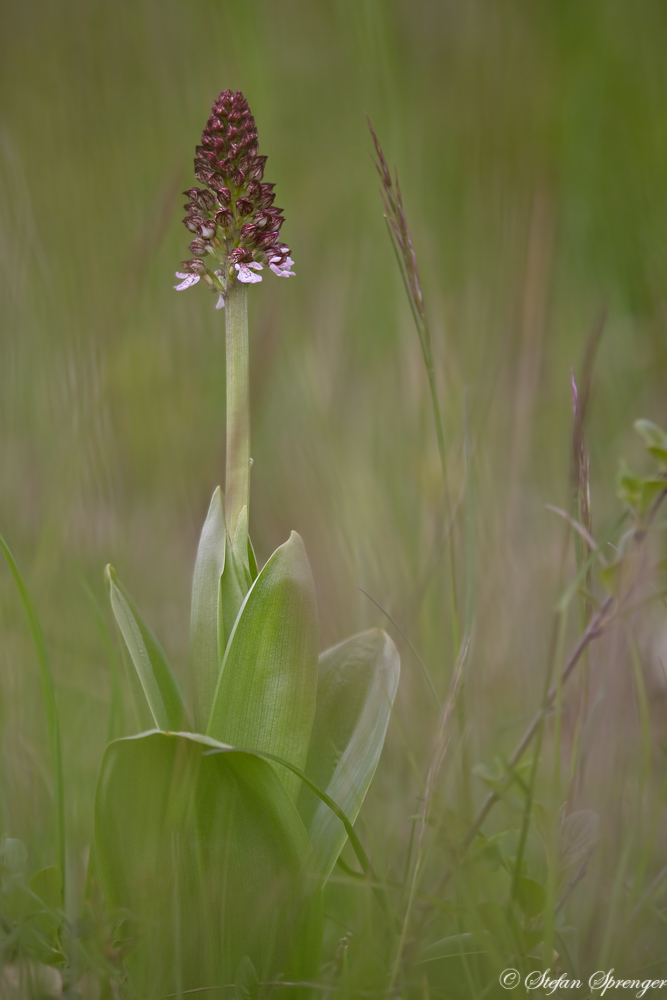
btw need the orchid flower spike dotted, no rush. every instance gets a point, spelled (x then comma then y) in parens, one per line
(236, 226)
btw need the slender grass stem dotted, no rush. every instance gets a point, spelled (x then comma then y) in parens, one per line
(442, 742)
(237, 465)
(424, 668)
(595, 627)
(406, 258)
(553, 852)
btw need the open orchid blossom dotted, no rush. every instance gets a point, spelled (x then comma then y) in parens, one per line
(282, 267)
(236, 226)
(187, 282)
(246, 275)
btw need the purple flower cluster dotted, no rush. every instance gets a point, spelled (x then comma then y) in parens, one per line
(236, 226)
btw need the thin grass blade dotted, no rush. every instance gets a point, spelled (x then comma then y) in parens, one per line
(50, 703)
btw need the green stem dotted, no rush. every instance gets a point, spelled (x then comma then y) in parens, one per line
(237, 468)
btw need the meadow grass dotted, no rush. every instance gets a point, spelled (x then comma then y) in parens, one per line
(530, 148)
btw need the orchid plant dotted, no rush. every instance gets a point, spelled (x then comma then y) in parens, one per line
(216, 830)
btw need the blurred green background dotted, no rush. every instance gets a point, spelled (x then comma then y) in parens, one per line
(531, 144)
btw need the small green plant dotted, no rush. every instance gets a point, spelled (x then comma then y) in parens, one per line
(216, 831)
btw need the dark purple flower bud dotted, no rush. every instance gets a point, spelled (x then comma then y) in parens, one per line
(207, 228)
(246, 162)
(199, 196)
(275, 216)
(239, 255)
(267, 196)
(265, 240)
(199, 248)
(225, 166)
(224, 196)
(192, 223)
(257, 169)
(194, 266)
(232, 133)
(236, 116)
(206, 156)
(244, 206)
(248, 231)
(254, 189)
(224, 217)
(238, 177)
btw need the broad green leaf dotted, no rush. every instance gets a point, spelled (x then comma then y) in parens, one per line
(204, 655)
(157, 680)
(234, 586)
(210, 858)
(628, 486)
(222, 578)
(659, 454)
(266, 694)
(356, 687)
(652, 488)
(654, 436)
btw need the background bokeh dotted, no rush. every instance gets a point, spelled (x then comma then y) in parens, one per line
(531, 144)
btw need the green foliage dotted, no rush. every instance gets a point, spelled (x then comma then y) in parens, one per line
(357, 681)
(207, 854)
(205, 652)
(30, 908)
(204, 854)
(265, 698)
(530, 147)
(157, 680)
(656, 441)
(641, 493)
(48, 697)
